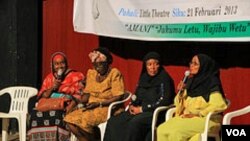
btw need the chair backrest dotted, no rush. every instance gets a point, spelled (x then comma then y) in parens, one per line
(19, 97)
(228, 116)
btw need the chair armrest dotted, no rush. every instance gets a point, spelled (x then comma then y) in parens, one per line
(207, 123)
(205, 134)
(170, 113)
(208, 117)
(113, 104)
(228, 116)
(158, 110)
(156, 113)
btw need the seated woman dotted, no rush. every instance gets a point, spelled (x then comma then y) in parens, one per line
(202, 93)
(104, 85)
(62, 81)
(155, 88)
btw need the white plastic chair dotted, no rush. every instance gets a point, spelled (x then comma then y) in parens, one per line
(102, 126)
(228, 116)
(170, 113)
(155, 117)
(20, 96)
(206, 133)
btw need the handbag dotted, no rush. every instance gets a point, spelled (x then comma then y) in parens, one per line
(48, 104)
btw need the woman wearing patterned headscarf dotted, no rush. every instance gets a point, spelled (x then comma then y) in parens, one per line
(155, 88)
(203, 93)
(61, 82)
(104, 85)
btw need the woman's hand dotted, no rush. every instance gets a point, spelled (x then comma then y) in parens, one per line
(180, 86)
(70, 107)
(92, 105)
(134, 110)
(189, 115)
(84, 98)
(56, 84)
(55, 87)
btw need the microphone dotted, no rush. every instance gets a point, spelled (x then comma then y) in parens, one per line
(186, 74)
(184, 80)
(134, 100)
(59, 74)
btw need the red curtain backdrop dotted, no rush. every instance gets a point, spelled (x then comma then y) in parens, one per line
(58, 35)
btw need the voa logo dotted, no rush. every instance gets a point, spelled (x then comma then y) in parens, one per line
(236, 132)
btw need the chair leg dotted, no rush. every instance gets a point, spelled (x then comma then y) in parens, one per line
(102, 128)
(22, 128)
(5, 126)
(72, 137)
(153, 137)
(217, 138)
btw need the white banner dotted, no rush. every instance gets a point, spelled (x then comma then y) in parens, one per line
(164, 20)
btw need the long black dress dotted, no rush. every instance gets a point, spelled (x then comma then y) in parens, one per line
(151, 93)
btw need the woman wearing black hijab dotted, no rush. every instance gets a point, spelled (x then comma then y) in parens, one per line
(155, 88)
(203, 93)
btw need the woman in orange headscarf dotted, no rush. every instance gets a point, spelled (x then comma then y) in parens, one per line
(61, 82)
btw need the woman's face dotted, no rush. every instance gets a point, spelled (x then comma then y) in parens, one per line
(59, 63)
(101, 67)
(152, 66)
(194, 65)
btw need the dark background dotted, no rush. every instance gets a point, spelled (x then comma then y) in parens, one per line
(20, 45)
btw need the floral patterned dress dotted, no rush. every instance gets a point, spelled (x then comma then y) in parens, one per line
(49, 125)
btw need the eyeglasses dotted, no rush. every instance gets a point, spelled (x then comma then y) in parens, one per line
(194, 63)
